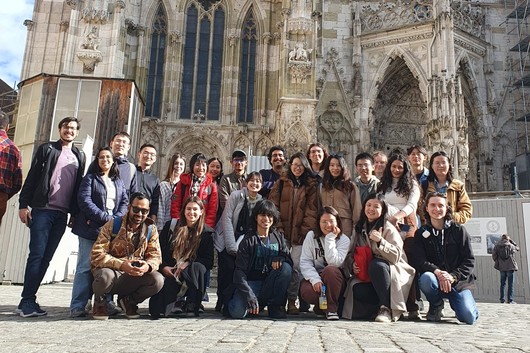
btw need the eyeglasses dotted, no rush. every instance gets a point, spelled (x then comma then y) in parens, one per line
(143, 211)
(294, 165)
(149, 154)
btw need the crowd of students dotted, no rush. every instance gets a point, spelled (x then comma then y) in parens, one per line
(298, 234)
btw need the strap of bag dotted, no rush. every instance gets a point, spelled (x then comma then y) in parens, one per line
(322, 251)
(115, 228)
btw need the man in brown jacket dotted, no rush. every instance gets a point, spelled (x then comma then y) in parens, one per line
(125, 260)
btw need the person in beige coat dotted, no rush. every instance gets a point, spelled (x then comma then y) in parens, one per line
(391, 276)
(295, 197)
(338, 191)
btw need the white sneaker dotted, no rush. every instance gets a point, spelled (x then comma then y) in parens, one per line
(383, 315)
(332, 316)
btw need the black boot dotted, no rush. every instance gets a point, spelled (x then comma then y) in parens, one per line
(275, 312)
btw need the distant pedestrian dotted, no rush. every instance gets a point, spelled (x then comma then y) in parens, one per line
(504, 257)
(10, 166)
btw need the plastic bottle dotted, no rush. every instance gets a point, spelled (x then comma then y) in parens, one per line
(322, 300)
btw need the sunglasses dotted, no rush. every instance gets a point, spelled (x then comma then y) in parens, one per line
(143, 211)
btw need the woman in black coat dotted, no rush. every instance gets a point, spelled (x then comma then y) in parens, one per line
(187, 253)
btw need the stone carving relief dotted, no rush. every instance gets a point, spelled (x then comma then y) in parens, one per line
(334, 130)
(469, 17)
(263, 145)
(242, 143)
(89, 53)
(299, 65)
(29, 24)
(93, 14)
(378, 16)
(297, 137)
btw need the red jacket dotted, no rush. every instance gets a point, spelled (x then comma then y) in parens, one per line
(207, 193)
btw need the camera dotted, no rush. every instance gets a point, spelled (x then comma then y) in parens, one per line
(136, 264)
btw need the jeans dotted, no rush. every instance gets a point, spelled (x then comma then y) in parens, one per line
(510, 276)
(46, 232)
(82, 289)
(461, 302)
(271, 291)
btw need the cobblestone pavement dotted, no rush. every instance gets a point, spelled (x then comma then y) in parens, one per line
(500, 328)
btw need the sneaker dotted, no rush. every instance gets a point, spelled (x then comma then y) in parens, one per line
(512, 302)
(130, 309)
(435, 312)
(31, 309)
(383, 315)
(318, 311)
(332, 316)
(88, 306)
(291, 307)
(99, 309)
(304, 306)
(75, 313)
(275, 312)
(414, 315)
(112, 309)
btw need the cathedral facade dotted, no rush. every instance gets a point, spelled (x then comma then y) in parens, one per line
(214, 75)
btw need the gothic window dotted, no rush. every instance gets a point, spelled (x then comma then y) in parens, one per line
(155, 76)
(203, 59)
(248, 70)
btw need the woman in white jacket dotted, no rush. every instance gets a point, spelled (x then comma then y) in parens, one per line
(232, 226)
(323, 252)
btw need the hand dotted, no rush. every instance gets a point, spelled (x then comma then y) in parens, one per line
(134, 271)
(167, 271)
(375, 235)
(445, 279)
(336, 231)
(253, 307)
(317, 287)
(25, 216)
(181, 268)
(355, 269)
(276, 264)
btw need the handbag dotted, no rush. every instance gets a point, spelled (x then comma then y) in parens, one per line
(362, 255)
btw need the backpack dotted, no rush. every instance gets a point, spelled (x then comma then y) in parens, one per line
(117, 225)
(505, 251)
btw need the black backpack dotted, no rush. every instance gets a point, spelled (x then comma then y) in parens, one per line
(505, 251)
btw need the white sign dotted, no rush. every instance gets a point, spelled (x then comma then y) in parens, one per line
(485, 233)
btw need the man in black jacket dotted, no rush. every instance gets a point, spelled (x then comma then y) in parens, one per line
(444, 258)
(147, 182)
(50, 191)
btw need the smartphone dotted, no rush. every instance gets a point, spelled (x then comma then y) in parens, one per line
(404, 227)
(136, 264)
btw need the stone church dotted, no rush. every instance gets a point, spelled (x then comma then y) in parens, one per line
(214, 75)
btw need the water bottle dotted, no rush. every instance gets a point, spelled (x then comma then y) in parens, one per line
(322, 300)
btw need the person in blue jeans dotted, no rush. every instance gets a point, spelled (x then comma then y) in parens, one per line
(444, 258)
(48, 195)
(102, 196)
(503, 255)
(263, 267)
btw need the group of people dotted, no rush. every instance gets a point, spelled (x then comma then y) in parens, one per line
(301, 233)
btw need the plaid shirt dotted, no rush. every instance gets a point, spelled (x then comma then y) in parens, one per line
(10, 166)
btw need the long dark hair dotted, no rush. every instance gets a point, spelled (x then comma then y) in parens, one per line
(186, 239)
(363, 220)
(113, 172)
(448, 214)
(432, 176)
(329, 210)
(170, 167)
(217, 179)
(308, 172)
(405, 183)
(342, 182)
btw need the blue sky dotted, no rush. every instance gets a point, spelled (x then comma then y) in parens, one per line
(13, 37)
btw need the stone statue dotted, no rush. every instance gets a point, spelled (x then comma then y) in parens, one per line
(91, 40)
(299, 53)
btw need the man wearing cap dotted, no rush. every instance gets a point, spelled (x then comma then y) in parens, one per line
(417, 156)
(235, 180)
(276, 158)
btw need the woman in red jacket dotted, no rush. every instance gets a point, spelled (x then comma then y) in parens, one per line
(196, 183)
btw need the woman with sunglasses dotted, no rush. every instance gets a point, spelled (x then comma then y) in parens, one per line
(187, 253)
(295, 196)
(102, 196)
(379, 284)
(338, 190)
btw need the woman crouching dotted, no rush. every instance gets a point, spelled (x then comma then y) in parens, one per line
(377, 287)
(263, 267)
(323, 252)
